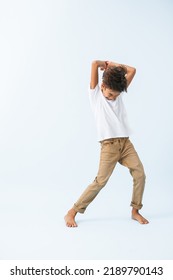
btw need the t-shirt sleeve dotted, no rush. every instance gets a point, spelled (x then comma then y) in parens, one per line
(93, 90)
(94, 94)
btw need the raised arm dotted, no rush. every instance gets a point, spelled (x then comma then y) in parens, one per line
(94, 71)
(130, 71)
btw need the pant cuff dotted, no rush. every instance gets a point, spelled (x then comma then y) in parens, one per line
(77, 209)
(138, 207)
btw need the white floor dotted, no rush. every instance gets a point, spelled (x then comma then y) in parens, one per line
(32, 225)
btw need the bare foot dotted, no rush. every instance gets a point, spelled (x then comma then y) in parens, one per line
(138, 217)
(70, 218)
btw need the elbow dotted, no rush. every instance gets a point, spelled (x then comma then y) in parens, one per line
(134, 70)
(95, 62)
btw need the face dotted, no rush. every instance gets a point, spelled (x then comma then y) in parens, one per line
(109, 93)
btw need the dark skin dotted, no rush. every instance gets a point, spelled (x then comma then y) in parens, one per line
(96, 64)
(110, 95)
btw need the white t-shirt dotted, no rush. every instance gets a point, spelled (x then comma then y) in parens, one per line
(110, 115)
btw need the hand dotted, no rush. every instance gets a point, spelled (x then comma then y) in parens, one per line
(103, 65)
(110, 63)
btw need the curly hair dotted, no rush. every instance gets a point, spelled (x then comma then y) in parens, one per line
(114, 78)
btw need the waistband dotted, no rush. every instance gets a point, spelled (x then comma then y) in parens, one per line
(114, 139)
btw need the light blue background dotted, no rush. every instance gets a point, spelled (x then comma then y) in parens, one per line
(48, 147)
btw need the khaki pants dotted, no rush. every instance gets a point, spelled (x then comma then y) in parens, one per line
(112, 151)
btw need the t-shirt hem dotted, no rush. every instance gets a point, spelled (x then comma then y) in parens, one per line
(111, 137)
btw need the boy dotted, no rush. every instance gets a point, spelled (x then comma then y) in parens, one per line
(113, 134)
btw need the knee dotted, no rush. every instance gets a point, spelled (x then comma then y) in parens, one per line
(143, 175)
(142, 178)
(139, 175)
